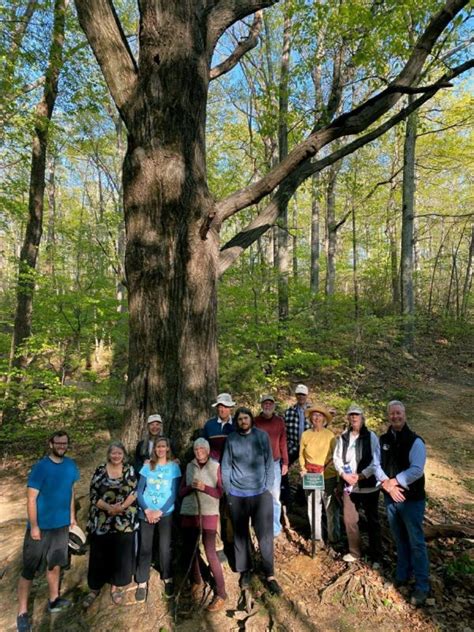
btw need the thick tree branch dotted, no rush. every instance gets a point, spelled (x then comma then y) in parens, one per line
(242, 47)
(350, 123)
(233, 248)
(105, 35)
(228, 12)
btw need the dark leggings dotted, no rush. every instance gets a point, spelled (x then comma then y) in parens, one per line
(191, 538)
(111, 559)
(145, 552)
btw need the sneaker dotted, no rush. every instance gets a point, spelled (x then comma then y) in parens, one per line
(218, 603)
(418, 598)
(58, 605)
(274, 587)
(169, 589)
(140, 594)
(23, 623)
(348, 557)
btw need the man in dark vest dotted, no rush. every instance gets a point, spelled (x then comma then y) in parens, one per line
(401, 474)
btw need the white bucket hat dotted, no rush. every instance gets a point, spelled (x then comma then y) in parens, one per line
(225, 399)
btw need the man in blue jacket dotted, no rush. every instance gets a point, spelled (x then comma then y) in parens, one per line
(247, 477)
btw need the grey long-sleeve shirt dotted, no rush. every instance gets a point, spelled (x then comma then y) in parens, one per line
(247, 463)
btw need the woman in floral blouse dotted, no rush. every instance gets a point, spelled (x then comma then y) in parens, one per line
(112, 525)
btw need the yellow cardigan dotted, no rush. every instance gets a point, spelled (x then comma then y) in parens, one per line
(317, 448)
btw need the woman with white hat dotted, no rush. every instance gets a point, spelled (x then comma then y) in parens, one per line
(144, 448)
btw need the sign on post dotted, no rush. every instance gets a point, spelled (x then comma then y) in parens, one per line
(313, 480)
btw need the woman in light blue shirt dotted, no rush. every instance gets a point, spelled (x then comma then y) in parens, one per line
(157, 493)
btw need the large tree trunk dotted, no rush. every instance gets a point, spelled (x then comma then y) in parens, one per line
(170, 270)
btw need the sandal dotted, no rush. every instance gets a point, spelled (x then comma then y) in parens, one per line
(89, 599)
(117, 596)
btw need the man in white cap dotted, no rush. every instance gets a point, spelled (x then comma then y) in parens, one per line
(296, 422)
(217, 429)
(274, 426)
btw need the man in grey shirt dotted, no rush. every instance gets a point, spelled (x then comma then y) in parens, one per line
(247, 477)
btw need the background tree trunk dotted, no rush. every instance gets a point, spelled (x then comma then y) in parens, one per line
(408, 214)
(315, 245)
(34, 226)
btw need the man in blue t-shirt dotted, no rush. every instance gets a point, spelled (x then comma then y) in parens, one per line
(50, 509)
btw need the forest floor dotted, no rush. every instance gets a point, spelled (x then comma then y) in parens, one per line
(320, 594)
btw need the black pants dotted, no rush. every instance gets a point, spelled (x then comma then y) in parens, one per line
(145, 551)
(258, 509)
(111, 559)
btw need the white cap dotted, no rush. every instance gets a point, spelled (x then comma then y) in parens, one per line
(301, 389)
(267, 398)
(155, 417)
(225, 399)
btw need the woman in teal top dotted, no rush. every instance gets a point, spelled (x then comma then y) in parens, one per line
(157, 493)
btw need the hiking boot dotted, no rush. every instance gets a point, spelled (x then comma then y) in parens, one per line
(218, 603)
(244, 580)
(400, 583)
(58, 605)
(141, 594)
(169, 589)
(418, 598)
(274, 587)
(350, 558)
(23, 623)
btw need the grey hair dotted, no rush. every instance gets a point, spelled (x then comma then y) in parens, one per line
(120, 446)
(202, 443)
(395, 402)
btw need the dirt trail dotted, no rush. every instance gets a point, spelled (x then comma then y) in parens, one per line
(442, 417)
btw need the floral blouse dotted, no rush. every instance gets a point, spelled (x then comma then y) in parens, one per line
(112, 490)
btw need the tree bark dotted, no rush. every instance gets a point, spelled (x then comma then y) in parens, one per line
(282, 233)
(170, 270)
(315, 244)
(407, 250)
(331, 229)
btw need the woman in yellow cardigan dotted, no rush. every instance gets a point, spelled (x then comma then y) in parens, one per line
(316, 449)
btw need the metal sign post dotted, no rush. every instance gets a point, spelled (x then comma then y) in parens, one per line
(313, 481)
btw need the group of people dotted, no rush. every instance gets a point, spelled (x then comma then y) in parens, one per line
(237, 477)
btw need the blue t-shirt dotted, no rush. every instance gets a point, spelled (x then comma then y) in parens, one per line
(161, 487)
(54, 481)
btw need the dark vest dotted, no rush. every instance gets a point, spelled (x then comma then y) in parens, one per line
(363, 451)
(394, 458)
